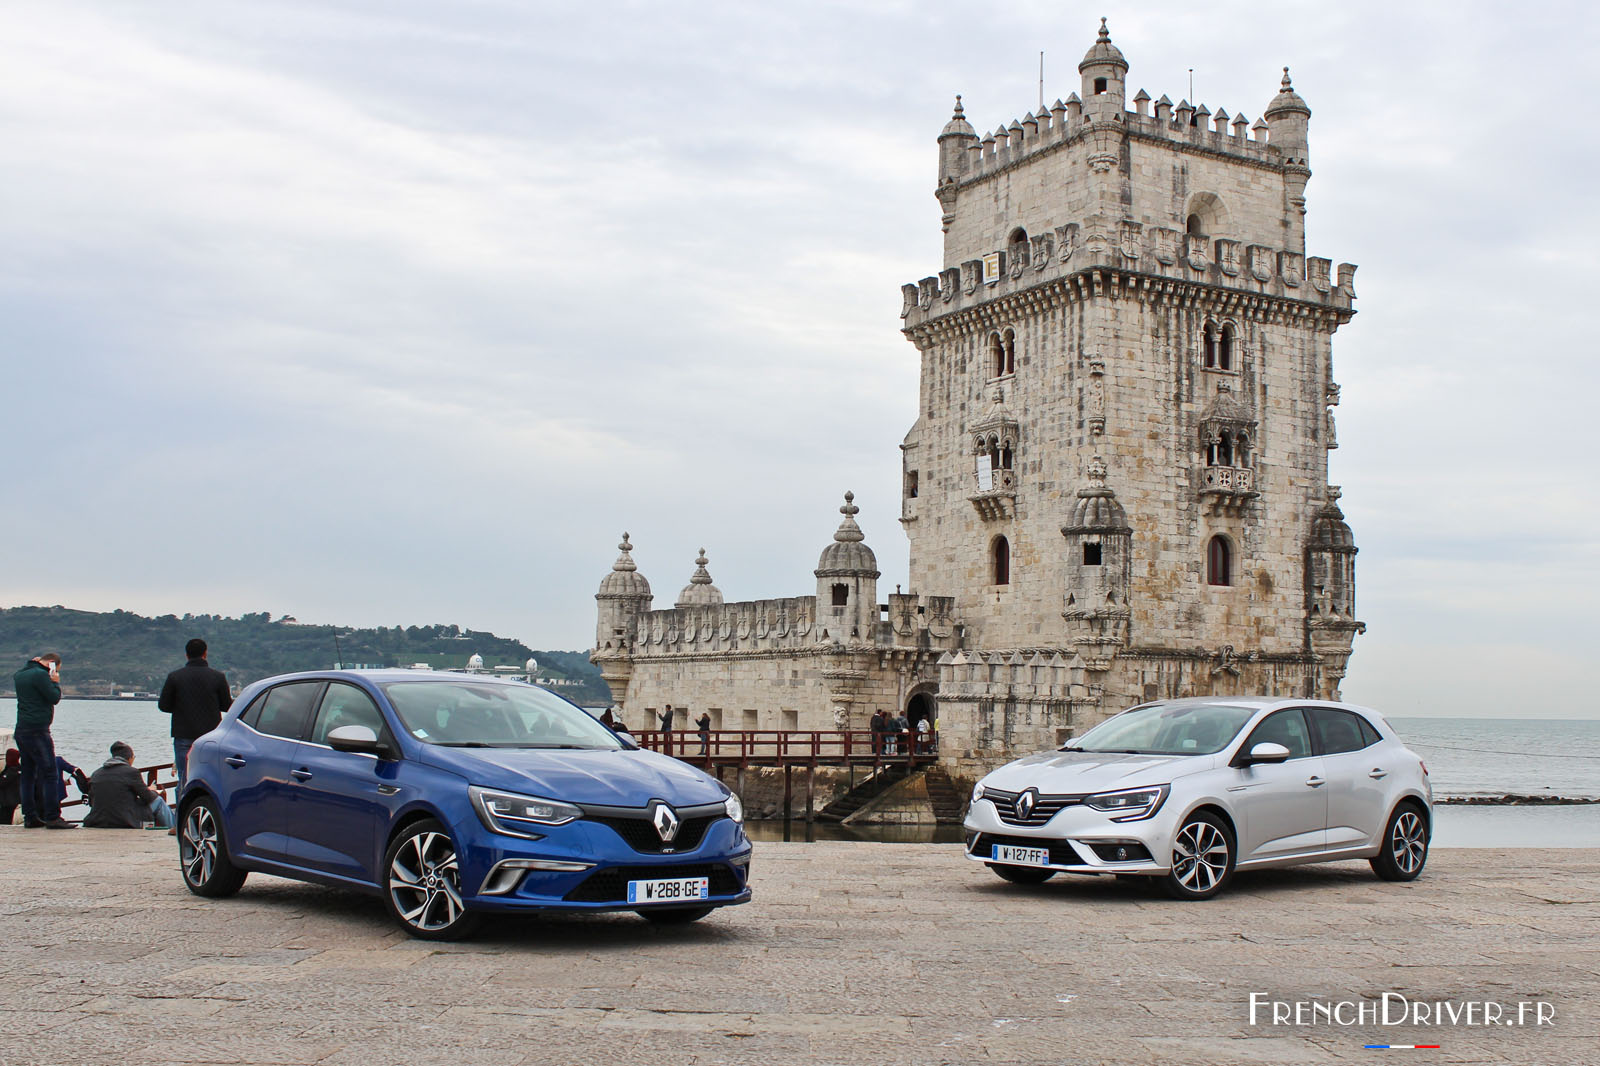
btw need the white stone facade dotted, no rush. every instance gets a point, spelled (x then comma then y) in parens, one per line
(1116, 488)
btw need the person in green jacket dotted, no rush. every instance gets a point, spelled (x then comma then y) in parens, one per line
(38, 686)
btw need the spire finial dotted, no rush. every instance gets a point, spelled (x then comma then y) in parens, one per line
(1105, 34)
(1287, 85)
(848, 530)
(959, 113)
(1097, 472)
(850, 509)
(625, 561)
(701, 575)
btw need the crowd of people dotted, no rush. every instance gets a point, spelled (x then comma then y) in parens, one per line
(119, 795)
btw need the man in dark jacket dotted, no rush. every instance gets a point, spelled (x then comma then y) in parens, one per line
(119, 798)
(197, 697)
(38, 687)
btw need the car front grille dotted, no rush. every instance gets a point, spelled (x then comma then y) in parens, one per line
(1061, 852)
(1045, 806)
(641, 835)
(611, 886)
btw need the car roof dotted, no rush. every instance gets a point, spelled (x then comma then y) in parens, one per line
(392, 674)
(1261, 703)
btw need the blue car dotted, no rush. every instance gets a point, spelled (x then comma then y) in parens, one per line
(453, 797)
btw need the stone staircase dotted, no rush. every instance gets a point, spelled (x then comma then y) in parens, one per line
(858, 797)
(949, 805)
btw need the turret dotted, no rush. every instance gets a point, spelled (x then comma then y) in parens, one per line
(699, 592)
(847, 582)
(1104, 72)
(1099, 547)
(954, 140)
(1288, 119)
(624, 595)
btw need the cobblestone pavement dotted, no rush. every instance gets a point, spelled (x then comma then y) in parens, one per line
(851, 953)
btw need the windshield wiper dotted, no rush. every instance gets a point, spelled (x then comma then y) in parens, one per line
(462, 744)
(561, 747)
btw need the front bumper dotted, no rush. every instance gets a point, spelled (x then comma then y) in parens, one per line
(586, 866)
(1079, 839)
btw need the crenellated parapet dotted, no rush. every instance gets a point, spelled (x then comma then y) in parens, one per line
(754, 626)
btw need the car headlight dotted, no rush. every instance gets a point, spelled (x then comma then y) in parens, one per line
(1129, 805)
(518, 815)
(977, 792)
(734, 808)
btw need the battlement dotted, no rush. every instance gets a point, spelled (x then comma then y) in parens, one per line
(1064, 123)
(788, 625)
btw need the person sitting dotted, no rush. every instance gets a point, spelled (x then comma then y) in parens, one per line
(119, 798)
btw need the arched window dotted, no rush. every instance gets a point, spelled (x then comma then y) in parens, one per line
(841, 595)
(1000, 561)
(1196, 226)
(1010, 339)
(1225, 349)
(1099, 86)
(1209, 344)
(997, 355)
(1219, 561)
(1224, 452)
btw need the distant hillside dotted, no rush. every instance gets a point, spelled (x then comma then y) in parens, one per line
(127, 652)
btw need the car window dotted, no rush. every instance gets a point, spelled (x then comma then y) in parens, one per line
(1369, 732)
(344, 705)
(479, 714)
(287, 709)
(1168, 729)
(252, 713)
(1338, 730)
(1283, 727)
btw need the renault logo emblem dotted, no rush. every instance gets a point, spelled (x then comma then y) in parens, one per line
(666, 822)
(1025, 804)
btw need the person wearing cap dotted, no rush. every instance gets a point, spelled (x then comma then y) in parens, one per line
(119, 798)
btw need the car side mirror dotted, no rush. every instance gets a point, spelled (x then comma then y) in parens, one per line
(1268, 752)
(359, 739)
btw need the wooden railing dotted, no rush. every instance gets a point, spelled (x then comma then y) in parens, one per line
(784, 747)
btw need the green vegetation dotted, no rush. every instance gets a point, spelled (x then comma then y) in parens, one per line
(127, 652)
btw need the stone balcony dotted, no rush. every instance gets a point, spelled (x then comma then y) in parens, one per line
(1227, 488)
(997, 494)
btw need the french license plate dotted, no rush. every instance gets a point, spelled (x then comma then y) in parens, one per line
(1021, 856)
(669, 890)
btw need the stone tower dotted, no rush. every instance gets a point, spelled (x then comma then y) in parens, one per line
(1119, 469)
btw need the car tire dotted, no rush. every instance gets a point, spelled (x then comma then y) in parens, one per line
(1405, 845)
(1202, 858)
(203, 852)
(673, 915)
(422, 883)
(1020, 875)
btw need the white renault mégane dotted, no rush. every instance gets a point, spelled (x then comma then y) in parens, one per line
(1191, 790)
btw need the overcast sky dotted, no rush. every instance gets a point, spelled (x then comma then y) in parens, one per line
(401, 312)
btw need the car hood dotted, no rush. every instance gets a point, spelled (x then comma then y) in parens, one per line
(616, 778)
(1085, 772)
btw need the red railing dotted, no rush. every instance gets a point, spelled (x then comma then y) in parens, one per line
(784, 747)
(152, 776)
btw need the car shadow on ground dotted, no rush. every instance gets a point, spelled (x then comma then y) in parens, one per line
(1292, 881)
(358, 913)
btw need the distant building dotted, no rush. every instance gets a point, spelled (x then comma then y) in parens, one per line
(1116, 488)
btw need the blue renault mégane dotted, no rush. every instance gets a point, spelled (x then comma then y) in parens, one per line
(453, 796)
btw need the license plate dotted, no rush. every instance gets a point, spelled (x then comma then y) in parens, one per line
(1021, 856)
(669, 890)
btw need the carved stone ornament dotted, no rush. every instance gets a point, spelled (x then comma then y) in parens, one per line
(1261, 262)
(1066, 241)
(1132, 238)
(909, 293)
(1292, 265)
(1228, 257)
(1195, 252)
(1166, 245)
(928, 291)
(971, 274)
(1044, 246)
(949, 282)
(1317, 269)
(1018, 258)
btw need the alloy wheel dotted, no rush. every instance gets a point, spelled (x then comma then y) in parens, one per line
(425, 882)
(1199, 856)
(1408, 843)
(198, 844)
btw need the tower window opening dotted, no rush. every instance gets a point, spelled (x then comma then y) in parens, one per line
(997, 355)
(1224, 453)
(1219, 561)
(1010, 343)
(1091, 555)
(1000, 561)
(1225, 349)
(1209, 344)
(1241, 451)
(911, 484)
(1195, 227)
(1099, 86)
(841, 595)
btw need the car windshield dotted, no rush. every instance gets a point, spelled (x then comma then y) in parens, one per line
(1167, 729)
(470, 714)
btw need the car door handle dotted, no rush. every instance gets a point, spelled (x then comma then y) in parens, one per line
(235, 760)
(388, 790)
(1315, 782)
(302, 774)
(1378, 773)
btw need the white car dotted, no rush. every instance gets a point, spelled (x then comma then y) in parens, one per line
(1190, 791)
